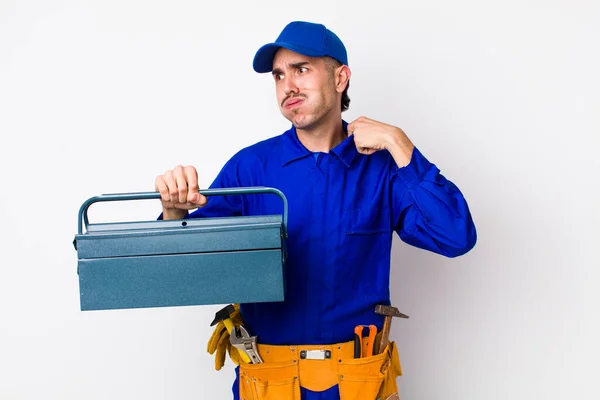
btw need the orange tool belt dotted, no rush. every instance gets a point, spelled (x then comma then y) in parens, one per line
(286, 369)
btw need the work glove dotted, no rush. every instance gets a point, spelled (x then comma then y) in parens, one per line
(219, 341)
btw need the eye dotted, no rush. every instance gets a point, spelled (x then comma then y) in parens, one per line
(278, 77)
(302, 70)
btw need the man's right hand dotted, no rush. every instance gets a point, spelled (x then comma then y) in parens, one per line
(178, 189)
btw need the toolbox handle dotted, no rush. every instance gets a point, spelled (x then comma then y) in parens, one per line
(83, 217)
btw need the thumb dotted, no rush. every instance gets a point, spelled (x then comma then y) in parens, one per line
(196, 198)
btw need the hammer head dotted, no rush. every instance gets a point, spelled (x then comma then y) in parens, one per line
(389, 311)
(223, 314)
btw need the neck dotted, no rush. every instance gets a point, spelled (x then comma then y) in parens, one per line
(323, 136)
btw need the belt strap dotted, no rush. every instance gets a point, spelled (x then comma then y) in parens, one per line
(317, 364)
(285, 370)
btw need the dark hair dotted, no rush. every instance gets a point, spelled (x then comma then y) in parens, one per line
(346, 98)
(332, 64)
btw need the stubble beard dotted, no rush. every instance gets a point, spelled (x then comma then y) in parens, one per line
(306, 122)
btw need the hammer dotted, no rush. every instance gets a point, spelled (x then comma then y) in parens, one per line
(389, 312)
(224, 315)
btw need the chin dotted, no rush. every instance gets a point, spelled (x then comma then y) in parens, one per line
(302, 123)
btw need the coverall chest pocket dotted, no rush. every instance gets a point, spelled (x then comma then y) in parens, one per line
(272, 381)
(367, 240)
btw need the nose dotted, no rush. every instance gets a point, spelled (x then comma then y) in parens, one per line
(289, 86)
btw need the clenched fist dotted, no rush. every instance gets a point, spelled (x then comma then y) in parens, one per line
(178, 189)
(371, 136)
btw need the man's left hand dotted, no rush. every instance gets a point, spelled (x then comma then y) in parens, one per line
(371, 136)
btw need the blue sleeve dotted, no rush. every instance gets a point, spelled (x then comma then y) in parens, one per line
(429, 211)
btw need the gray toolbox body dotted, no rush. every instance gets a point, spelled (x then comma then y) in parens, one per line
(181, 262)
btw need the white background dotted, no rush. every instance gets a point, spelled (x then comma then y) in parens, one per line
(100, 97)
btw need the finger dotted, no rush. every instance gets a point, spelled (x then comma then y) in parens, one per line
(211, 346)
(366, 150)
(357, 124)
(182, 187)
(234, 354)
(351, 128)
(171, 186)
(220, 359)
(215, 338)
(221, 351)
(193, 188)
(185, 206)
(215, 341)
(161, 186)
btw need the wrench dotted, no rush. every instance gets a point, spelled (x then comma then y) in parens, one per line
(240, 339)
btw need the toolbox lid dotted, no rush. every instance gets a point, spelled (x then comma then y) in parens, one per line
(195, 235)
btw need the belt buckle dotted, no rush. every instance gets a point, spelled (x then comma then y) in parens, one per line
(315, 354)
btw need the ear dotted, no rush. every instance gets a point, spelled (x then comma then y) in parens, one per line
(342, 77)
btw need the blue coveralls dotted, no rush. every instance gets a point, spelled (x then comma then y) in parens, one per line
(343, 209)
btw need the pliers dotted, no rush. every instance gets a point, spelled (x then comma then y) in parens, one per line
(363, 345)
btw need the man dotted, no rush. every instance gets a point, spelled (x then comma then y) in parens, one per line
(349, 186)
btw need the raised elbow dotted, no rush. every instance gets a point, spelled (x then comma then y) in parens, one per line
(463, 240)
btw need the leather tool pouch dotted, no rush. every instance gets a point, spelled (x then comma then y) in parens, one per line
(269, 381)
(370, 377)
(283, 373)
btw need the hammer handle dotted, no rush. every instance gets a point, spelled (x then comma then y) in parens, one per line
(385, 333)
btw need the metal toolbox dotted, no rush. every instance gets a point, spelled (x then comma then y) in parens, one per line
(181, 262)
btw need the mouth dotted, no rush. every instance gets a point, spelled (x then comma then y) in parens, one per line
(293, 103)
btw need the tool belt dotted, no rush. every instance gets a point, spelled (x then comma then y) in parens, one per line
(317, 368)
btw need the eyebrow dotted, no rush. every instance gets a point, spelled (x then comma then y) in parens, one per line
(297, 65)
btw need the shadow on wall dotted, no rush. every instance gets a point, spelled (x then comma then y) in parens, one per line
(427, 287)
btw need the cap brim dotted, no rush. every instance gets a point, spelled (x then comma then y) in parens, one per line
(263, 60)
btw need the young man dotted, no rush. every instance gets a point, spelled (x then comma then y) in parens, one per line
(349, 187)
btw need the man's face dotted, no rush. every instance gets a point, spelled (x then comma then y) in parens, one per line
(305, 88)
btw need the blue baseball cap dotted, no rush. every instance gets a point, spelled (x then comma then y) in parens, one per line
(306, 38)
